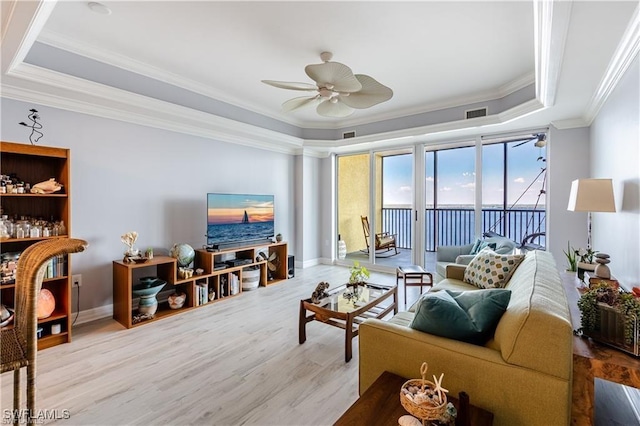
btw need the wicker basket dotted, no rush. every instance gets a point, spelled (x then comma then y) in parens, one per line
(423, 411)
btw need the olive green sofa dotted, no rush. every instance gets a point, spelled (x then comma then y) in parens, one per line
(522, 375)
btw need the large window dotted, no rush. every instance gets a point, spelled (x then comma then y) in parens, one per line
(514, 187)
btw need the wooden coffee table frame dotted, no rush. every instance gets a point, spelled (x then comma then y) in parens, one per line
(348, 321)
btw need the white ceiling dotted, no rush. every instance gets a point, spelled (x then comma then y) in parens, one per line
(432, 54)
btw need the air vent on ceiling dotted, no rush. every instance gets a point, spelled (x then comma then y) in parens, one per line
(475, 113)
(348, 135)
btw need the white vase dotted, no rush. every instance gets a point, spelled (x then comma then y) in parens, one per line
(342, 249)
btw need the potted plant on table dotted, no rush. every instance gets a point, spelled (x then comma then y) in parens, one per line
(358, 274)
(612, 316)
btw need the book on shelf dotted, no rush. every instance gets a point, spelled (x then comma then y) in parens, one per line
(56, 267)
(202, 294)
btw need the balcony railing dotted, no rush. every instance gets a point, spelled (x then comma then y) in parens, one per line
(456, 226)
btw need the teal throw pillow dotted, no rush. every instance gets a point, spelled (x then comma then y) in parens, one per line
(468, 316)
(481, 244)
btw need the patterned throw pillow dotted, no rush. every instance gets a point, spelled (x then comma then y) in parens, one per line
(491, 270)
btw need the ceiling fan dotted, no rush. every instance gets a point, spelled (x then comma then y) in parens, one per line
(338, 90)
(539, 138)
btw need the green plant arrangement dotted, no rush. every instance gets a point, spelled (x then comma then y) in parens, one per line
(359, 274)
(586, 256)
(602, 295)
(572, 259)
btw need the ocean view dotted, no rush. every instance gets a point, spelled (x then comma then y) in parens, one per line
(233, 232)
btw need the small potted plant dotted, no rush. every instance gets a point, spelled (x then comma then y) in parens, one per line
(572, 259)
(358, 274)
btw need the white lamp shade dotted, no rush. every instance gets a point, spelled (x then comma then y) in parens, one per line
(591, 195)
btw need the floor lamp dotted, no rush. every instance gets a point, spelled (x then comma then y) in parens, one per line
(591, 195)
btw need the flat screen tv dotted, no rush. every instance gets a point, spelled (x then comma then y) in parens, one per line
(235, 218)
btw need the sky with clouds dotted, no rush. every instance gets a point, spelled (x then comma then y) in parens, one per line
(456, 176)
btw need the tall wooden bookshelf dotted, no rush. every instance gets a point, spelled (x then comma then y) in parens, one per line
(33, 164)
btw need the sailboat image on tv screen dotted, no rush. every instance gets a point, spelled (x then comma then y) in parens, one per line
(235, 218)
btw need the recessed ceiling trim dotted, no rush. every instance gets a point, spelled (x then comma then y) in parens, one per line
(77, 47)
(551, 25)
(625, 53)
(21, 30)
(110, 58)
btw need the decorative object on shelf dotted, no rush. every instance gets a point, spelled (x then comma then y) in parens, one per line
(35, 127)
(46, 303)
(320, 292)
(56, 328)
(141, 317)
(424, 399)
(6, 316)
(129, 239)
(176, 300)
(183, 253)
(612, 316)
(147, 290)
(46, 187)
(149, 253)
(591, 195)
(602, 270)
(250, 278)
(185, 273)
(199, 271)
(358, 274)
(279, 238)
(342, 248)
(273, 261)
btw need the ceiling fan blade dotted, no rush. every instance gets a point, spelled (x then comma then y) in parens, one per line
(523, 142)
(291, 85)
(372, 93)
(296, 103)
(335, 76)
(335, 110)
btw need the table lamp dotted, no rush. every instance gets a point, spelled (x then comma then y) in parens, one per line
(591, 195)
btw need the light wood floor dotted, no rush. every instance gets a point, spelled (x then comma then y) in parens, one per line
(230, 363)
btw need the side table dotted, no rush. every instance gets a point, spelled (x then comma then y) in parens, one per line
(380, 405)
(592, 359)
(413, 275)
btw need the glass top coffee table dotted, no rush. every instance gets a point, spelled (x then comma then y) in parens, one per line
(348, 306)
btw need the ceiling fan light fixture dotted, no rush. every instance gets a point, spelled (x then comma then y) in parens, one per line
(335, 83)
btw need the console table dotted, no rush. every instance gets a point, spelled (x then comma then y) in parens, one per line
(593, 360)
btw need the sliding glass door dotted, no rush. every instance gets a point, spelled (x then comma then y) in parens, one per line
(375, 205)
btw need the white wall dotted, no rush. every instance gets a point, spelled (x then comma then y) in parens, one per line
(615, 153)
(308, 210)
(567, 160)
(127, 177)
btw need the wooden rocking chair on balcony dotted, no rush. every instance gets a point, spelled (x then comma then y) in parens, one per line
(384, 241)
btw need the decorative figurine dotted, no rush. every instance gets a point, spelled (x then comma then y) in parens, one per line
(320, 292)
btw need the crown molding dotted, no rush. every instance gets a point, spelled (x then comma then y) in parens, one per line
(551, 25)
(107, 102)
(570, 123)
(624, 55)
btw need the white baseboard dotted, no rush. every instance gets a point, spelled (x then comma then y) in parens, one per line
(307, 263)
(94, 314)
